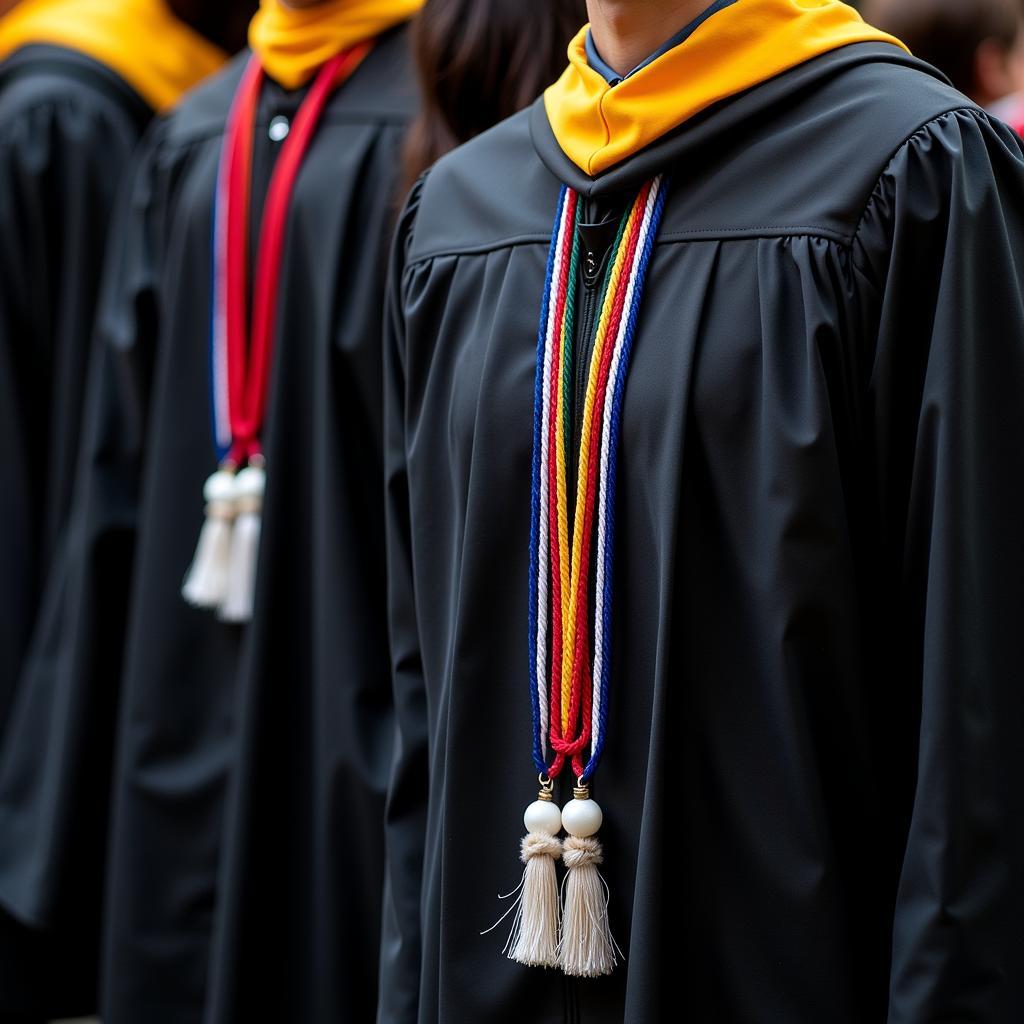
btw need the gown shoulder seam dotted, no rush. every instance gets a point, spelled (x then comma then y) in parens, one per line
(480, 249)
(712, 234)
(708, 234)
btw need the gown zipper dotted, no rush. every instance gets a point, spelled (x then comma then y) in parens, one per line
(582, 348)
(597, 228)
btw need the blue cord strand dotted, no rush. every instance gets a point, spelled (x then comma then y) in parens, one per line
(613, 455)
(220, 449)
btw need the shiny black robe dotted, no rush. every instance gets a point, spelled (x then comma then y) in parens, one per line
(245, 861)
(68, 126)
(811, 786)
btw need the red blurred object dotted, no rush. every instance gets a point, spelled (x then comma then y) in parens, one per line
(1015, 115)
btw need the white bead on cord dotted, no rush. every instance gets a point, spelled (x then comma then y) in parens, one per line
(543, 816)
(582, 817)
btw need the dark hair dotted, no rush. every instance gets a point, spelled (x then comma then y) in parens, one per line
(480, 61)
(224, 23)
(948, 33)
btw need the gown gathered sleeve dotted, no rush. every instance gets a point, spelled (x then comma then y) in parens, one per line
(940, 253)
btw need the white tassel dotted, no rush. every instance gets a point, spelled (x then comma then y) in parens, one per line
(533, 940)
(205, 583)
(587, 948)
(237, 603)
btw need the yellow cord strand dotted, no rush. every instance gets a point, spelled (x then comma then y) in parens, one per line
(570, 598)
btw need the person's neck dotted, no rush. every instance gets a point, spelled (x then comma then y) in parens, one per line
(627, 32)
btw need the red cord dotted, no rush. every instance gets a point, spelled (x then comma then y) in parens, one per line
(581, 690)
(249, 365)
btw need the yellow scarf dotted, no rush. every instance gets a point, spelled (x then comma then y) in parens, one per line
(158, 55)
(293, 42)
(598, 125)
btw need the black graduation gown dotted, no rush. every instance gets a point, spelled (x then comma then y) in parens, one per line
(811, 784)
(298, 701)
(68, 125)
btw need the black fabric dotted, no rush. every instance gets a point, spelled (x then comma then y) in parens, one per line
(812, 808)
(68, 126)
(254, 893)
(47, 973)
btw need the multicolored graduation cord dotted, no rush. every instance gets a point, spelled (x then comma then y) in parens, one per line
(570, 700)
(569, 696)
(223, 571)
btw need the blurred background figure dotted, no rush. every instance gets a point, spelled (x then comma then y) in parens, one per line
(978, 44)
(480, 61)
(254, 731)
(79, 81)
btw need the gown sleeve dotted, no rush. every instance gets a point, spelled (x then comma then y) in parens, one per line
(65, 715)
(63, 148)
(405, 824)
(941, 246)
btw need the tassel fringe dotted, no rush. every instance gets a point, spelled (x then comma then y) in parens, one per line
(587, 948)
(239, 596)
(205, 584)
(534, 937)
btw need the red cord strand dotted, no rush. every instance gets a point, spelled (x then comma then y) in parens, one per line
(249, 365)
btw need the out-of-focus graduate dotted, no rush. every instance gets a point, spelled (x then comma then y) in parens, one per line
(705, 453)
(977, 44)
(233, 438)
(79, 81)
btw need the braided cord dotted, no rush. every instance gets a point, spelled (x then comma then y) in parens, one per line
(611, 433)
(570, 705)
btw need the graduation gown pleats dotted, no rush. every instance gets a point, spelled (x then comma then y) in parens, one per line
(808, 781)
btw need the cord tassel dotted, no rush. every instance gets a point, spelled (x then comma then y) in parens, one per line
(240, 594)
(205, 583)
(534, 938)
(568, 532)
(587, 948)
